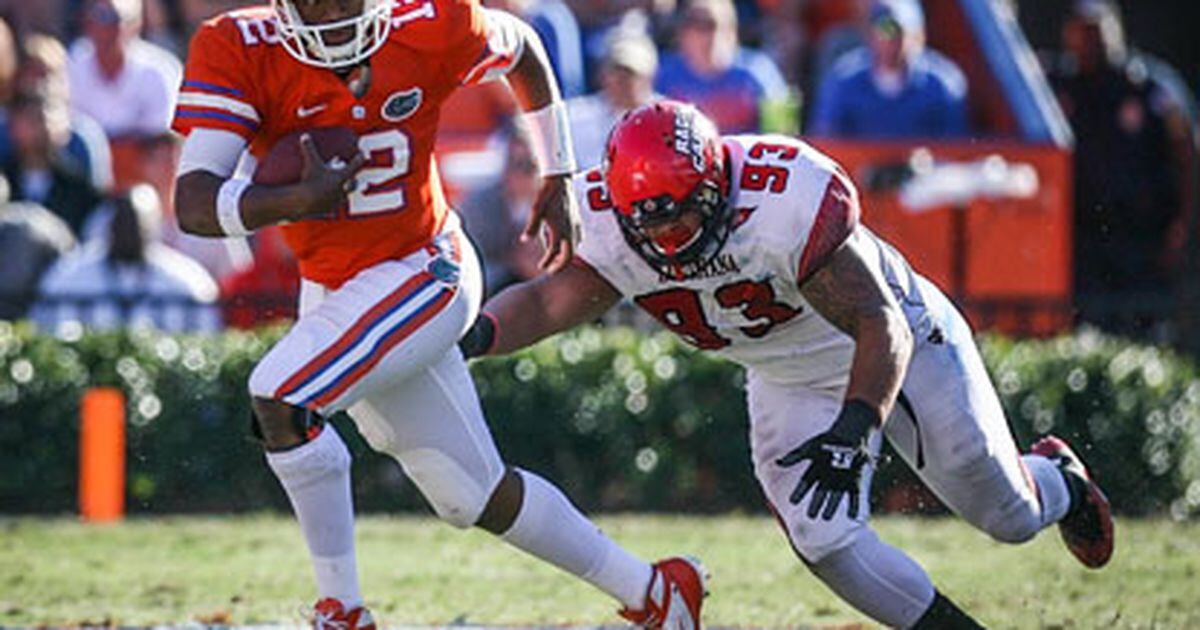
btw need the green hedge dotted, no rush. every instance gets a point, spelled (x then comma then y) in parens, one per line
(621, 420)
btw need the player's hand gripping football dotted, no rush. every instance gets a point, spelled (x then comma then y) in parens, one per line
(555, 212)
(836, 459)
(325, 184)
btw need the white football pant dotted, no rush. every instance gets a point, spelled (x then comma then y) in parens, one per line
(948, 426)
(383, 348)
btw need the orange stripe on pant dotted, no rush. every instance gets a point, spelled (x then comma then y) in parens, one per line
(391, 341)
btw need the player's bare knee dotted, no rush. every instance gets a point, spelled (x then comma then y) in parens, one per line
(504, 504)
(456, 496)
(277, 424)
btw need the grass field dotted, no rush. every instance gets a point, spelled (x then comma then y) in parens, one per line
(252, 570)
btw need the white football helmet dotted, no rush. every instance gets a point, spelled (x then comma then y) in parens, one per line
(306, 43)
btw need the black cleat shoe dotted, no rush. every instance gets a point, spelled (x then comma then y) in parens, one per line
(1087, 529)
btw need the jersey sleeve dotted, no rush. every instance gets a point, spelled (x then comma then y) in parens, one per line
(598, 245)
(460, 33)
(837, 214)
(217, 92)
(505, 43)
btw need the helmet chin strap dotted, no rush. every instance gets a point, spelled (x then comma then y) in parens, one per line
(357, 78)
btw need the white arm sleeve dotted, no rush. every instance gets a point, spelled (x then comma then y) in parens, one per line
(211, 150)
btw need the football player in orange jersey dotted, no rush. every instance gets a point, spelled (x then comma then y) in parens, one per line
(389, 281)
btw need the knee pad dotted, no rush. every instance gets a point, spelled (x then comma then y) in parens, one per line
(1014, 525)
(457, 496)
(814, 539)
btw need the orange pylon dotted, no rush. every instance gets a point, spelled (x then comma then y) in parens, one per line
(102, 455)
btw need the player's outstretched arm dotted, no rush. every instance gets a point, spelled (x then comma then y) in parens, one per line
(527, 312)
(533, 83)
(855, 299)
(208, 203)
(847, 292)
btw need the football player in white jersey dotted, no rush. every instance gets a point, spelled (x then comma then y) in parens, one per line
(751, 246)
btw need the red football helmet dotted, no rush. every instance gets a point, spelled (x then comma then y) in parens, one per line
(663, 161)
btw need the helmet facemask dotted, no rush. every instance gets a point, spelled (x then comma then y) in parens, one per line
(675, 258)
(307, 42)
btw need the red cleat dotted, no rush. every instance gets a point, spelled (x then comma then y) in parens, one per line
(1087, 529)
(330, 614)
(674, 597)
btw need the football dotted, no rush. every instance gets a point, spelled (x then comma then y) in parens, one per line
(284, 162)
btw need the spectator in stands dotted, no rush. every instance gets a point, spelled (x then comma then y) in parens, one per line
(710, 69)
(494, 217)
(626, 81)
(37, 16)
(129, 278)
(599, 18)
(8, 65)
(43, 70)
(123, 82)
(164, 26)
(1127, 183)
(193, 12)
(159, 160)
(39, 170)
(894, 88)
(266, 290)
(558, 29)
(469, 138)
(32, 238)
(784, 36)
(838, 29)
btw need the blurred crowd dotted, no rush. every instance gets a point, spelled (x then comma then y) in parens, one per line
(87, 92)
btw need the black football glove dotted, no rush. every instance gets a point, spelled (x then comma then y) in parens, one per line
(480, 337)
(836, 459)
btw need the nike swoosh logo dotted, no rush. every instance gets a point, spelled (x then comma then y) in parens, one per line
(305, 112)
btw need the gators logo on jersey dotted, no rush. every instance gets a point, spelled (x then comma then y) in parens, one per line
(401, 105)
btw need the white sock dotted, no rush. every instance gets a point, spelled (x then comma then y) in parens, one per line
(316, 477)
(1052, 488)
(551, 528)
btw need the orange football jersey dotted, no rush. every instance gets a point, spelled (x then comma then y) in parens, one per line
(240, 78)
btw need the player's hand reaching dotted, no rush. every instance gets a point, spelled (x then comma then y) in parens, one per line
(836, 459)
(325, 184)
(555, 212)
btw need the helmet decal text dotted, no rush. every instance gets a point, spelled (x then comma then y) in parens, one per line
(687, 142)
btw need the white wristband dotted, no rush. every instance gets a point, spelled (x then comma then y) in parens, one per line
(229, 207)
(550, 135)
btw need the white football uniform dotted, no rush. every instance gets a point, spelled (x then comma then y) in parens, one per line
(793, 207)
